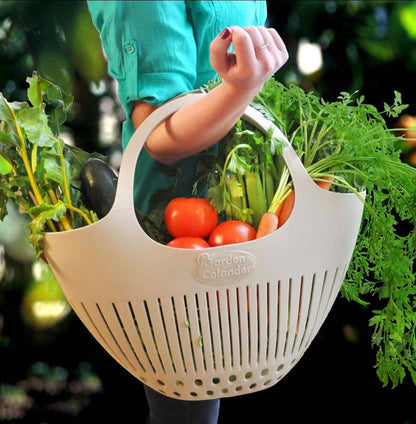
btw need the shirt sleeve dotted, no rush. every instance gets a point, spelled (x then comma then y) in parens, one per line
(150, 47)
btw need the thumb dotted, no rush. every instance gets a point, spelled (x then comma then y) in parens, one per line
(219, 55)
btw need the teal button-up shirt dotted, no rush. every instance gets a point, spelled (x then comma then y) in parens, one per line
(157, 50)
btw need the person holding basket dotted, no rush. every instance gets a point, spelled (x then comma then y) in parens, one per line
(157, 50)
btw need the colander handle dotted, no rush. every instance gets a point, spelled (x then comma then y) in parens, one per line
(124, 195)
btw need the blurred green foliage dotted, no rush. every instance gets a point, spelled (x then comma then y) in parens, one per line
(55, 37)
(58, 39)
(369, 46)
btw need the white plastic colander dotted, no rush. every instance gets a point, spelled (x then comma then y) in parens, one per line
(216, 322)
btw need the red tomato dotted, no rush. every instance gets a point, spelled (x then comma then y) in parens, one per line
(229, 232)
(190, 217)
(188, 243)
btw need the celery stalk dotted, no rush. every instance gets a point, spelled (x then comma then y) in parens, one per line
(255, 197)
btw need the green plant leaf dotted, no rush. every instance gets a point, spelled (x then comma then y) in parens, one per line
(46, 172)
(35, 124)
(5, 166)
(42, 214)
(8, 110)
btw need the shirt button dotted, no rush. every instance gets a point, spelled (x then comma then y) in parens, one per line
(129, 48)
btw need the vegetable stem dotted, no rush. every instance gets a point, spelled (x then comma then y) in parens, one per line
(28, 168)
(65, 187)
(63, 220)
(79, 212)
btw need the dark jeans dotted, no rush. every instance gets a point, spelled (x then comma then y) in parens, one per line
(166, 410)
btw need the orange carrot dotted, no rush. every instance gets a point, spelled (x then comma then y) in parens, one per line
(287, 208)
(326, 185)
(268, 223)
(279, 208)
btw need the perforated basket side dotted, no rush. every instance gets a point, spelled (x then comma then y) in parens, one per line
(219, 342)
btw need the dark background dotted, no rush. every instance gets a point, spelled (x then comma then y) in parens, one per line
(51, 369)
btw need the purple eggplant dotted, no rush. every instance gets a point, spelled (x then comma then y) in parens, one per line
(98, 186)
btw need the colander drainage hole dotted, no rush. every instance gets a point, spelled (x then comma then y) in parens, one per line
(161, 382)
(264, 372)
(232, 378)
(248, 375)
(216, 380)
(198, 382)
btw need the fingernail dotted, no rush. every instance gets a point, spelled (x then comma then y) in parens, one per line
(225, 33)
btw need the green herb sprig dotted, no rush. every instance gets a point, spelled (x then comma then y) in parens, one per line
(348, 142)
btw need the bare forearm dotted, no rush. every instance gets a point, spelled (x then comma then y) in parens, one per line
(258, 53)
(199, 125)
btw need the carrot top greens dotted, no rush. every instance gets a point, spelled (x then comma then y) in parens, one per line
(348, 142)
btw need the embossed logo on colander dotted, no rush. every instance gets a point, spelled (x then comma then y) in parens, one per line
(224, 267)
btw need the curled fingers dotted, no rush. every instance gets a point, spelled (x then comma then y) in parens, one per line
(273, 48)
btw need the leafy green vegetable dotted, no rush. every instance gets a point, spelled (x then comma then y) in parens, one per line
(247, 172)
(38, 171)
(349, 141)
